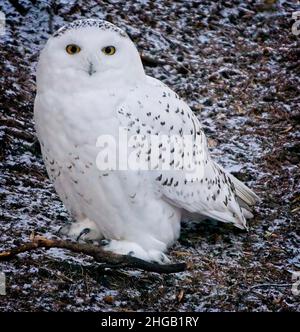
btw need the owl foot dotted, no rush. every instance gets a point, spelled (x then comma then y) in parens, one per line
(104, 242)
(84, 230)
(158, 257)
(123, 247)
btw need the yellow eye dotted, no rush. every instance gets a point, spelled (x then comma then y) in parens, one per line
(73, 49)
(109, 50)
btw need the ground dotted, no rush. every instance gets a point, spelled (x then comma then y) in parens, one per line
(237, 64)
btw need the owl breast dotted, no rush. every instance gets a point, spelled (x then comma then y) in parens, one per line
(121, 203)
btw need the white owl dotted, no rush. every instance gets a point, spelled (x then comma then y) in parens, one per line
(91, 82)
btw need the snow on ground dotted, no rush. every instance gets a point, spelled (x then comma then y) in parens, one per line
(237, 64)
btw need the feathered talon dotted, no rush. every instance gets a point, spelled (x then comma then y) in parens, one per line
(83, 232)
(104, 242)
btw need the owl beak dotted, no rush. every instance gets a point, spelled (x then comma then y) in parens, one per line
(91, 69)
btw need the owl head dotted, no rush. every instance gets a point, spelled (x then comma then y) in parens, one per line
(88, 54)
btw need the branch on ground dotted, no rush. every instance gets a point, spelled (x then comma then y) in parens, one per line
(149, 61)
(101, 256)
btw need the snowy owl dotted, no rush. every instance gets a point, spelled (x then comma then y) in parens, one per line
(90, 83)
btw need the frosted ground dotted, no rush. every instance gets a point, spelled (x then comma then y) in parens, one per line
(237, 64)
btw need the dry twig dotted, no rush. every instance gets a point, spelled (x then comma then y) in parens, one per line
(101, 256)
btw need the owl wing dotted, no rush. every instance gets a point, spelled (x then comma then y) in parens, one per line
(195, 182)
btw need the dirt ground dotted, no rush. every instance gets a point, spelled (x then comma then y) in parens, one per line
(237, 64)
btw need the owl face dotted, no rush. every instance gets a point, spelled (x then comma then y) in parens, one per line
(88, 56)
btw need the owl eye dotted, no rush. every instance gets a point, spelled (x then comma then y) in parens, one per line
(109, 50)
(73, 49)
